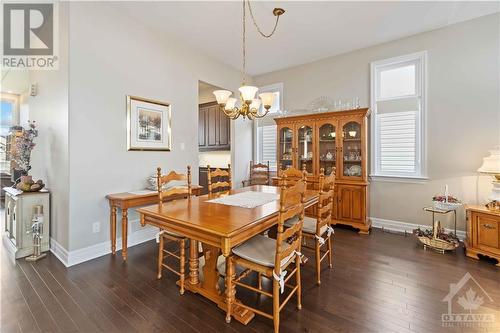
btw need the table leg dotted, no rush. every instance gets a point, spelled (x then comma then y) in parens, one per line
(193, 262)
(112, 222)
(124, 233)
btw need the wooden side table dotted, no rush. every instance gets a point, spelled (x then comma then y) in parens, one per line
(126, 200)
(483, 232)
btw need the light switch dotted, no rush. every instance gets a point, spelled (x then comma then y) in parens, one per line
(183, 146)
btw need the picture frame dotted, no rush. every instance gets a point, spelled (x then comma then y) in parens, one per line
(149, 126)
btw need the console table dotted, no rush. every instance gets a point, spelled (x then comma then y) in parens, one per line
(126, 200)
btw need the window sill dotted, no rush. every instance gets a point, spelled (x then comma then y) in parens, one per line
(399, 179)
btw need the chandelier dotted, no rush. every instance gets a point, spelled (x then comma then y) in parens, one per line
(250, 106)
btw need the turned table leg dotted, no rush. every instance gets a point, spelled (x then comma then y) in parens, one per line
(124, 233)
(193, 262)
(112, 222)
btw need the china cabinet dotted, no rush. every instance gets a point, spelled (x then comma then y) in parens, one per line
(334, 141)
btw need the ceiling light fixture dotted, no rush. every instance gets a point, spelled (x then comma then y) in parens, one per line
(250, 106)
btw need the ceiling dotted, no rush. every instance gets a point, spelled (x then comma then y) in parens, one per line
(308, 31)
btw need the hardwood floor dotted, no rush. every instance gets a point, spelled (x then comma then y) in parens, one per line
(379, 283)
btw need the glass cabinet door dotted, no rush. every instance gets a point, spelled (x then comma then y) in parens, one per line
(305, 148)
(327, 148)
(351, 150)
(285, 142)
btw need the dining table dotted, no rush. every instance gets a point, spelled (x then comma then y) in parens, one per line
(219, 228)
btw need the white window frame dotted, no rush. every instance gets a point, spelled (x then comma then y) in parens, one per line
(276, 87)
(421, 141)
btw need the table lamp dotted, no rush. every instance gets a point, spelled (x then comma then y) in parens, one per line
(491, 165)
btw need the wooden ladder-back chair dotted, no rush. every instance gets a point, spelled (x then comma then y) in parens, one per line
(272, 257)
(219, 180)
(291, 176)
(182, 190)
(319, 229)
(259, 174)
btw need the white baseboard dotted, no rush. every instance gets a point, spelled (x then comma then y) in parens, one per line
(402, 227)
(71, 258)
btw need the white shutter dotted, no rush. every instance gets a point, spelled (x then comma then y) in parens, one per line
(397, 142)
(267, 140)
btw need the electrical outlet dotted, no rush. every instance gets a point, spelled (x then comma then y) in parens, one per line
(96, 227)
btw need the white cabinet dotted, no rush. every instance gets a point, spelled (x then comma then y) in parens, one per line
(18, 220)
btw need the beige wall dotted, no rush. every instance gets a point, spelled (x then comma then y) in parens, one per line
(463, 115)
(49, 108)
(112, 56)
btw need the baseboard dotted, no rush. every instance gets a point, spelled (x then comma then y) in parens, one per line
(402, 227)
(75, 257)
(59, 251)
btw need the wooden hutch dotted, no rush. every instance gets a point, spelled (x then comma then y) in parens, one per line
(333, 141)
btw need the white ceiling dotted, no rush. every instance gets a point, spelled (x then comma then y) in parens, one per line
(308, 31)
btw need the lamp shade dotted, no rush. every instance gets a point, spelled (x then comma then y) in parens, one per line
(222, 96)
(267, 99)
(248, 92)
(231, 103)
(255, 104)
(491, 164)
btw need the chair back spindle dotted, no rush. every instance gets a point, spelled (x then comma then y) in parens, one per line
(180, 190)
(291, 204)
(219, 180)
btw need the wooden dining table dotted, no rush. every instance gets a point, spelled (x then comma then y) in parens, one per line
(219, 228)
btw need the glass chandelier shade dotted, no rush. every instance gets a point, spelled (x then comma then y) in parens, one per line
(248, 92)
(222, 96)
(267, 99)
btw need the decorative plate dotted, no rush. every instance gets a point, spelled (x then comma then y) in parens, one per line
(355, 171)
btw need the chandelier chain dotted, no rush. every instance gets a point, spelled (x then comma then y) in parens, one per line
(257, 26)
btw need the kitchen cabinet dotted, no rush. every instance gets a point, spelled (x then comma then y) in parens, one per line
(214, 128)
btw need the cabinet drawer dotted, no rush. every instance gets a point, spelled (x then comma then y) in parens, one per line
(488, 232)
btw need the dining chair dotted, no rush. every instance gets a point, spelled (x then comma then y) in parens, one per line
(259, 174)
(172, 185)
(271, 258)
(291, 176)
(319, 229)
(219, 180)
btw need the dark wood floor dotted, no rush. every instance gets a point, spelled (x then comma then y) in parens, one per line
(380, 283)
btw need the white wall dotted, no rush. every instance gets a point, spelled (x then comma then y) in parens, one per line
(463, 109)
(112, 56)
(50, 159)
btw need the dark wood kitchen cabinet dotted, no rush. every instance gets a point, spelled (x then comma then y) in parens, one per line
(214, 128)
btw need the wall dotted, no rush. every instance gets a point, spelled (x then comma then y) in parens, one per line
(112, 56)
(463, 109)
(49, 108)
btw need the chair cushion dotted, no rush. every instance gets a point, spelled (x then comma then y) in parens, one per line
(309, 225)
(261, 250)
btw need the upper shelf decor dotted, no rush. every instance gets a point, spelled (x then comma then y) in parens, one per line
(148, 124)
(250, 106)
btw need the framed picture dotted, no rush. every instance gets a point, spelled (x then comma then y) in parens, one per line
(148, 124)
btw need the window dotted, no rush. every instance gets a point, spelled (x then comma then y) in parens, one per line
(398, 87)
(9, 115)
(265, 129)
